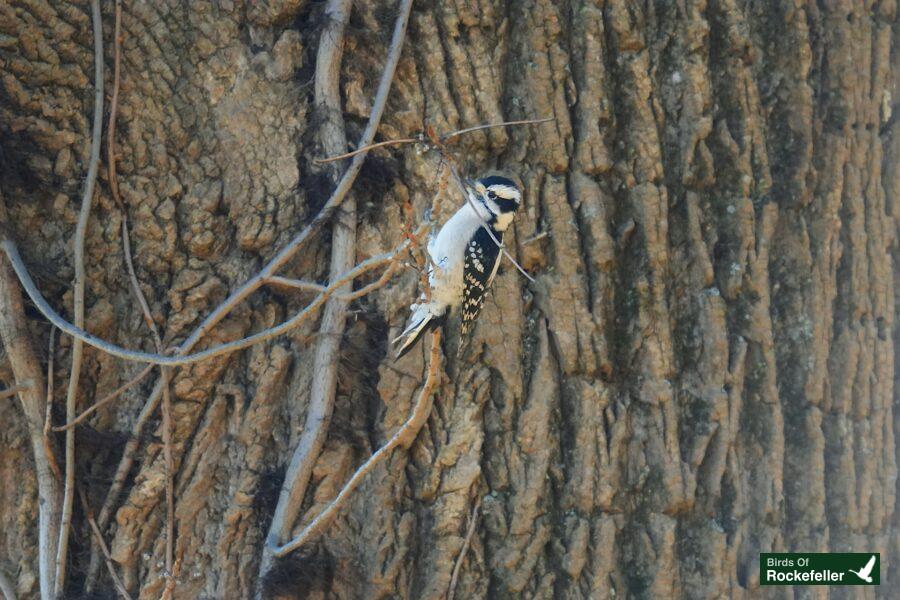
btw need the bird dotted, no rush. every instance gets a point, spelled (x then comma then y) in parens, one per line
(465, 255)
(865, 572)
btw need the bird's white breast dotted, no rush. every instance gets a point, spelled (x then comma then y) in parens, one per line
(447, 250)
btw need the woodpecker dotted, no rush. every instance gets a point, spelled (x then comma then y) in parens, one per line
(465, 258)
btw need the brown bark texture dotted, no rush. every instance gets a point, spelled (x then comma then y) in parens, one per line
(702, 370)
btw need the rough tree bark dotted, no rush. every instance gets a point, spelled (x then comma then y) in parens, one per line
(703, 369)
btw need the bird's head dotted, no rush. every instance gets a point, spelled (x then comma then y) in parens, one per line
(500, 197)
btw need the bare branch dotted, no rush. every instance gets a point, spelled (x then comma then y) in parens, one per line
(297, 284)
(10, 392)
(186, 359)
(367, 148)
(170, 481)
(145, 308)
(30, 378)
(403, 437)
(473, 520)
(321, 394)
(422, 139)
(107, 399)
(113, 111)
(536, 237)
(51, 350)
(321, 403)
(48, 417)
(460, 132)
(378, 283)
(77, 346)
(98, 539)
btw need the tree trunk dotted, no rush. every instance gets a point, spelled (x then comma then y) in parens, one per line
(703, 369)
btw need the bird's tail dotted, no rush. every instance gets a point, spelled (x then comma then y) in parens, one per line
(425, 317)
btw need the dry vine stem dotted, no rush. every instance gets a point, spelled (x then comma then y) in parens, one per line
(321, 398)
(343, 249)
(423, 139)
(165, 376)
(403, 437)
(30, 377)
(106, 399)
(98, 539)
(48, 417)
(186, 359)
(473, 521)
(10, 392)
(77, 346)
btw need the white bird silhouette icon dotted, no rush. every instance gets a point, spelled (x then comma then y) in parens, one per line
(864, 573)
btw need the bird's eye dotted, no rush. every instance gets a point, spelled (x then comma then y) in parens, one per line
(492, 195)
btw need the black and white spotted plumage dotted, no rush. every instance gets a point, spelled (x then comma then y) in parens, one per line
(481, 263)
(465, 259)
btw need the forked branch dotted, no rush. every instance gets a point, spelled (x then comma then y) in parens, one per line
(403, 437)
(186, 359)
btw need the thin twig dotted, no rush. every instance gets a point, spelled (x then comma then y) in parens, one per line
(6, 587)
(378, 283)
(142, 300)
(113, 111)
(422, 139)
(403, 437)
(10, 392)
(51, 351)
(170, 481)
(77, 346)
(536, 238)
(473, 520)
(48, 417)
(460, 132)
(98, 539)
(297, 284)
(367, 148)
(107, 399)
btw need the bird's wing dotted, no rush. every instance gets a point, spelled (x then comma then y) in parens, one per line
(479, 268)
(868, 568)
